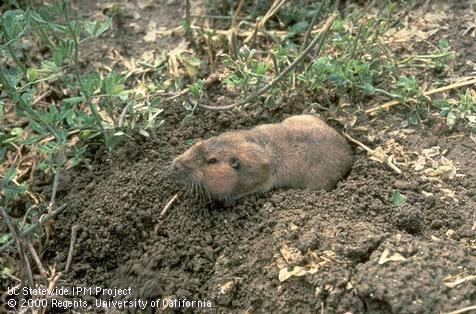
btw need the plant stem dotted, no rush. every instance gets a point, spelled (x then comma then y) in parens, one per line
(91, 106)
(16, 97)
(320, 38)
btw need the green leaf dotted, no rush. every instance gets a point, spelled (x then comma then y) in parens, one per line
(444, 112)
(369, 89)
(37, 17)
(398, 199)
(71, 118)
(74, 100)
(195, 89)
(3, 150)
(413, 119)
(31, 74)
(300, 27)
(443, 44)
(58, 28)
(441, 103)
(62, 135)
(193, 61)
(261, 68)
(53, 110)
(14, 76)
(46, 13)
(471, 119)
(112, 141)
(49, 66)
(16, 131)
(338, 25)
(9, 175)
(1, 110)
(38, 128)
(451, 119)
(27, 98)
(144, 133)
(57, 57)
(32, 139)
(4, 238)
(112, 84)
(97, 28)
(46, 148)
(5, 272)
(12, 190)
(14, 23)
(90, 84)
(66, 47)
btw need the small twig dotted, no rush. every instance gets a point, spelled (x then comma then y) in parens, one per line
(356, 41)
(79, 78)
(50, 138)
(474, 220)
(188, 29)
(74, 233)
(232, 40)
(122, 116)
(167, 206)
(254, 34)
(37, 260)
(244, 33)
(285, 72)
(18, 238)
(464, 309)
(427, 93)
(372, 152)
(177, 95)
(59, 163)
(259, 23)
(164, 211)
(35, 226)
(13, 278)
(277, 4)
(217, 17)
(235, 15)
(313, 22)
(53, 279)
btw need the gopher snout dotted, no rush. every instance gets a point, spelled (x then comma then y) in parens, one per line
(178, 169)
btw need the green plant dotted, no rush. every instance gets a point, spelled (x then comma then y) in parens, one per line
(398, 199)
(463, 108)
(247, 72)
(21, 82)
(359, 67)
(439, 61)
(56, 106)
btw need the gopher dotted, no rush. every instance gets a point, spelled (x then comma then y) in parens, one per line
(300, 152)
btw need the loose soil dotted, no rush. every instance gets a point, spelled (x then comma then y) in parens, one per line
(355, 251)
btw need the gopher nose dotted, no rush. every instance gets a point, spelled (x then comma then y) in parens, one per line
(177, 166)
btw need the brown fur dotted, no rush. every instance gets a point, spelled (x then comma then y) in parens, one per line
(300, 152)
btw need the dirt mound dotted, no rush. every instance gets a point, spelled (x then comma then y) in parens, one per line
(234, 256)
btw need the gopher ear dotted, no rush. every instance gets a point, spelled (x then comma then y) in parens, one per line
(199, 147)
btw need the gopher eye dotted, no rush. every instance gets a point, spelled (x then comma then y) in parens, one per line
(234, 162)
(212, 161)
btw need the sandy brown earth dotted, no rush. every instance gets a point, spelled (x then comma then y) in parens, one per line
(355, 251)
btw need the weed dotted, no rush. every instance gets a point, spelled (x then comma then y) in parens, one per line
(247, 73)
(463, 108)
(56, 127)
